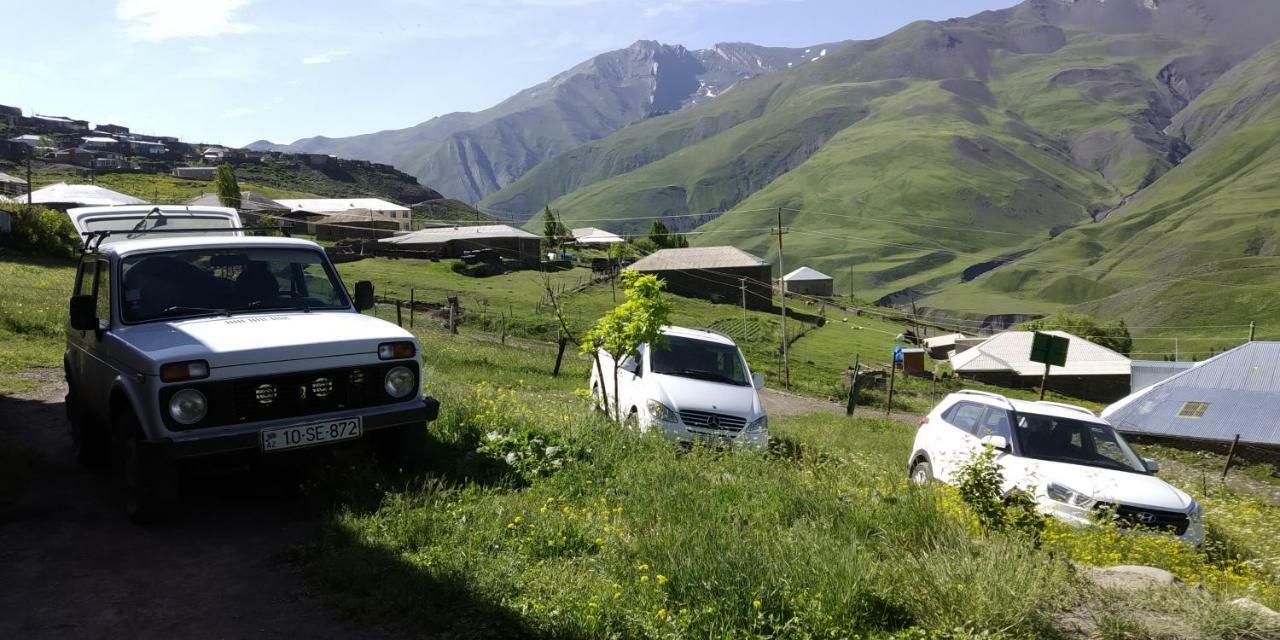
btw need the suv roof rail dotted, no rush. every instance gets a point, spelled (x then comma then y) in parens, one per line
(1069, 407)
(713, 331)
(93, 239)
(985, 394)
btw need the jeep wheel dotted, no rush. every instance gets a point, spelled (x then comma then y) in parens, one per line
(404, 447)
(922, 473)
(148, 481)
(89, 441)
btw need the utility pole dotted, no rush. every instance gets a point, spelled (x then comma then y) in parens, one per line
(31, 152)
(786, 360)
(742, 282)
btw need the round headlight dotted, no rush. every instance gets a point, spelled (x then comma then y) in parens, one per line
(188, 406)
(399, 382)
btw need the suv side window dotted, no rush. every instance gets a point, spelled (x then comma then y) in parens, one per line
(102, 292)
(965, 416)
(994, 423)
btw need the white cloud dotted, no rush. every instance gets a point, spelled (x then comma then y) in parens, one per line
(156, 20)
(326, 57)
(244, 112)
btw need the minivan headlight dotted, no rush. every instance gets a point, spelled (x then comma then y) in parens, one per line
(399, 382)
(758, 425)
(661, 412)
(1067, 495)
(188, 406)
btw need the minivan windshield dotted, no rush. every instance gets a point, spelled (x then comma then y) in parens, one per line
(699, 359)
(187, 283)
(1074, 442)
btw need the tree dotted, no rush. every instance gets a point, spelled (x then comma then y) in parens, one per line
(637, 321)
(1114, 336)
(662, 237)
(553, 230)
(224, 182)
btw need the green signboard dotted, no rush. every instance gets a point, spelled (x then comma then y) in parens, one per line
(1049, 349)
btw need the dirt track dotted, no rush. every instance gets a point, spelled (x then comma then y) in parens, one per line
(72, 567)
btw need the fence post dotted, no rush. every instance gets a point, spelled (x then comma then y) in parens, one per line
(504, 329)
(399, 316)
(853, 386)
(893, 373)
(1231, 454)
(411, 305)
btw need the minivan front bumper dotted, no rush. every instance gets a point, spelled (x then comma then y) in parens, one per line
(246, 436)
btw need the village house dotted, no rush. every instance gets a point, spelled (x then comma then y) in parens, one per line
(719, 274)
(1092, 372)
(144, 148)
(195, 173)
(325, 207)
(59, 123)
(591, 236)
(113, 129)
(11, 186)
(63, 196)
(451, 242)
(99, 143)
(811, 282)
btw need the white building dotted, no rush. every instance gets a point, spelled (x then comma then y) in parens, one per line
(324, 207)
(588, 236)
(1092, 372)
(63, 196)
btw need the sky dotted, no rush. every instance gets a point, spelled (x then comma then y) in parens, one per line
(235, 71)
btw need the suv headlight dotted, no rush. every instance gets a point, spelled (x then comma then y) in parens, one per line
(661, 412)
(188, 406)
(758, 425)
(1067, 495)
(399, 382)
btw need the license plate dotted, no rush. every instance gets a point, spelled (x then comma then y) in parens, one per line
(310, 434)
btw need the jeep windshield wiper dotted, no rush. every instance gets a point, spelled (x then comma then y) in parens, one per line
(183, 310)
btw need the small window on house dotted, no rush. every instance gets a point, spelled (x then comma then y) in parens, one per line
(1193, 409)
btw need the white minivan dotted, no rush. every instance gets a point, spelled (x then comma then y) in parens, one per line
(1072, 462)
(693, 385)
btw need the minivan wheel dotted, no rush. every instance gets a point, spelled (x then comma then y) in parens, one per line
(89, 442)
(148, 481)
(921, 473)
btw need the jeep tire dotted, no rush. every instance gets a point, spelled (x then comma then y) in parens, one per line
(403, 447)
(89, 440)
(148, 481)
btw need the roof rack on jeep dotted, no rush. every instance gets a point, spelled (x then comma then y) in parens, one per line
(985, 394)
(91, 236)
(1069, 407)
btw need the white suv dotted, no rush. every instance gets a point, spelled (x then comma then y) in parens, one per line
(693, 386)
(187, 338)
(1072, 462)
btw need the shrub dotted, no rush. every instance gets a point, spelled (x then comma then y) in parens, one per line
(981, 485)
(43, 231)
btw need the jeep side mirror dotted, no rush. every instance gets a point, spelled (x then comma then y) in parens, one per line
(1151, 465)
(999, 443)
(757, 380)
(364, 295)
(84, 313)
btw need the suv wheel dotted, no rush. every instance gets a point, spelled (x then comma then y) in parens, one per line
(921, 473)
(89, 441)
(148, 480)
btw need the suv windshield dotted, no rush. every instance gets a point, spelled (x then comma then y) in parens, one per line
(699, 359)
(188, 283)
(1074, 442)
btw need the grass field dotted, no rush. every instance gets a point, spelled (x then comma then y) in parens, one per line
(158, 189)
(35, 293)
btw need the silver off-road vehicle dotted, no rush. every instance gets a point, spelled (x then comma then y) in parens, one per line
(189, 338)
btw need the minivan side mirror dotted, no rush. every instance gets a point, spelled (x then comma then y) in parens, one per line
(757, 380)
(629, 364)
(1151, 465)
(84, 313)
(999, 443)
(364, 295)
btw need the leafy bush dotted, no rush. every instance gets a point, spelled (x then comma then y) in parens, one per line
(42, 231)
(981, 485)
(530, 452)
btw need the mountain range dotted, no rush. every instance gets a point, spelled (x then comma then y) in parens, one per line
(1113, 156)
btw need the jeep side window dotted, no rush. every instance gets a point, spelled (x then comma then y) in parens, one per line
(84, 277)
(102, 292)
(965, 416)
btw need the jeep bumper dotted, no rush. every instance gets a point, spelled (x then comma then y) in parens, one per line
(246, 437)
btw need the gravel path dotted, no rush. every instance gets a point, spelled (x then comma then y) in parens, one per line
(71, 566)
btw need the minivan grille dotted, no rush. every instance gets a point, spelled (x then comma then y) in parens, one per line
(1143, 518)
(717, 422)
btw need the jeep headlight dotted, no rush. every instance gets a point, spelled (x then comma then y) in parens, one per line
(759, 425)
(399, 382)
(661, 412)
(1068, 496)
(188, 406)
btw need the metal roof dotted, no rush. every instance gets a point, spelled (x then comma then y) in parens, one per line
(804, 274)
(697, 258)
(335, 205)
(1148, 372)
(592, 235)
(1240, 390)
(1011, 351)
(4, 177)
(82, 194)
(249, 201)
(447, 234)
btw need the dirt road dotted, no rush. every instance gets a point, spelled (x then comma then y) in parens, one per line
(72, 567)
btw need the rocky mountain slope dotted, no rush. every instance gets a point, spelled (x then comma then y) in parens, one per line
(471, 155)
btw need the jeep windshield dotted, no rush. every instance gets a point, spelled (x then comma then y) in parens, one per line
(224, 281)
(1074, 442)
(699, 359)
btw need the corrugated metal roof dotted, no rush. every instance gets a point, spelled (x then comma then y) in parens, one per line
(1011, 351)
(1241, 389)
(334, 205)
(805, 274)
(82, 194)
(446, 234)
(697, 258)
(592, 235)
(949, 340)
